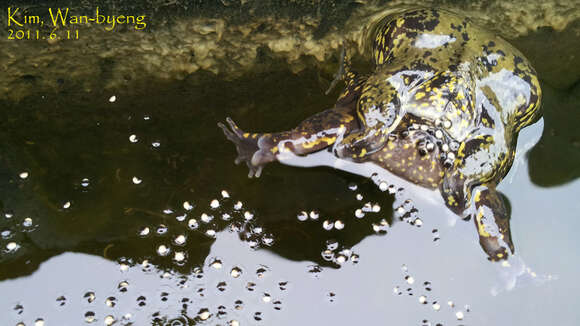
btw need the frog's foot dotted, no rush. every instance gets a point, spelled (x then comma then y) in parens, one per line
(249, 146)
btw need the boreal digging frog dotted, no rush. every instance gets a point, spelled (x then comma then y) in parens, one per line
(442, 109)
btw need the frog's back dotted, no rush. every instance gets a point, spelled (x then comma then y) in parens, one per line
(435, 42)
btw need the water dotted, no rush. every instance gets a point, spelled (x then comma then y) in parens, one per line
(132, 211)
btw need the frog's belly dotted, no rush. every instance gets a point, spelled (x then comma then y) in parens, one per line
(399, 157)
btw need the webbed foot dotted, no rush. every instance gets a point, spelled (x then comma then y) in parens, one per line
(248, 147)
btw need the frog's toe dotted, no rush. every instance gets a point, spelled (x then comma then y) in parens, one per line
(246, 145)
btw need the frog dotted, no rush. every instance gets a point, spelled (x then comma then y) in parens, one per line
(441, 109)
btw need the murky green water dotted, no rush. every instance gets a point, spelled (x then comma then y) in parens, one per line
(132, 212)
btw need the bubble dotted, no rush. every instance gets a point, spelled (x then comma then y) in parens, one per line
(445, 147)
(250, 286)
(409, 279)
(282, 285)
(156, 144)
(89, 317)
(39, 322)
(436, 306)
(359, 213)
(167, 211)
(206, 218)
(233, 322)
(354, 258)
(450, 304)
(221, 286)
(331, 296)
(210, 233)
(248, 215)
(261, 271)
(112, 98)
(214, 204)
(396, 290)
(12, 246)
(327, 225)
(141, 301)
(161, 229)
(400, 210)
(137, 180)
(179, 256)
(268, 239)
(352, 186)
(257, 316)
(133, 138)
(236, 272)
(23, 175)
(111, 301)
(89, 296)
(192, 224)
(226, 217)
(180, 240)
(447, 124)
(383, 186)
(327, 255)
(314, 215)
(146, 117)
(61, 300)
(19, 309)
(302, 216)
(359, 197)
(162, 250)
(459, 315)
(339, 225)
(123, 267)
(266, 298)
(418, 222)
(123, 286)
(340, 259)
(238, 205)
(239, 305)
(8, 214)
(109, 320)
(376, 208)
(66, 205)
(187, 205)
(423, 299)
(216, 263)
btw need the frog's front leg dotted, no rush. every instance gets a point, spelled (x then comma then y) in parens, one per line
(311, 135)
(378, 119)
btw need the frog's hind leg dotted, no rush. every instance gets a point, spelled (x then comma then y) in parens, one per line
(311, 135)
(491, 218)
(353, 80)
(486, 206)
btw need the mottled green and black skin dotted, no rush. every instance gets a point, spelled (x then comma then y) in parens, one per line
(442, 109)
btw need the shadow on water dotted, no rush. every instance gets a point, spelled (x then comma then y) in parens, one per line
(100, 171)
(555, 160)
